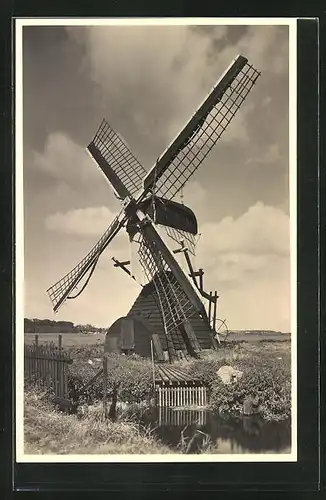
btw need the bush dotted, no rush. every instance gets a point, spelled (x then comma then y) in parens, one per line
(265, 378)
(86, 351)
(204, 370)
(210, 362)
(132, 376)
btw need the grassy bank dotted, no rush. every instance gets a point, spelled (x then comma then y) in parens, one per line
(48, 431)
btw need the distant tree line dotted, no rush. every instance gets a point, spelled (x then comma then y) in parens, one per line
(36, 325)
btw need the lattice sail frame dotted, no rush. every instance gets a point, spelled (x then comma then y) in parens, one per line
(189, 240)
(174, 305)
(119, 157)
(208, 132)
(60, 290)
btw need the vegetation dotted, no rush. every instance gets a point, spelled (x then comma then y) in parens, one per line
(266, 368)
(48, 431)
(36, 325)
(266, 376)
(131, 377)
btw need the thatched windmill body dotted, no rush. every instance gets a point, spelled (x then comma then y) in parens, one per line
(170, 306)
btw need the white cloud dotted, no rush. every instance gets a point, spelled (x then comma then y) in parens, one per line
(266, 101)
(171, 69)
(266, 47)
(262, 301)
(70, 178)
(82, 222)
(259, 231)
(247, 259)
(69, 164)
(272, 155)
(65, 160)
(193, 193)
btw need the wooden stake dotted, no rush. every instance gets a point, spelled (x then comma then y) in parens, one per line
(153, 367)
(210, 308)
(105, 385)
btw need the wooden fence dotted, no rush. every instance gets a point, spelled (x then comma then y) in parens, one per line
(47, 366)
(176, 388)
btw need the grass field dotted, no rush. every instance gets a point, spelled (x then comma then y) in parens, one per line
(79, 339)
(68, 339)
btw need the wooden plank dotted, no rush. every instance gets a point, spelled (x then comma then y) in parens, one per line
(191, 335)
(158, 347)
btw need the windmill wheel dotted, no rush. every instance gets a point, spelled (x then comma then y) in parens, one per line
(221, 330)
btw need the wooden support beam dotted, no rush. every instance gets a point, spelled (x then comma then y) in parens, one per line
(215, 308)
(199, 273)
(201, 279)
(118, 263)
(210, 308)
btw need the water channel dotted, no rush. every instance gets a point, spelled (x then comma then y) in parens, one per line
(228, 435)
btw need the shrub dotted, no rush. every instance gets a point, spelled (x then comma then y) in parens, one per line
(204, 370)
(210, 362)
(132, 376)
(266, 378)
(86, 351)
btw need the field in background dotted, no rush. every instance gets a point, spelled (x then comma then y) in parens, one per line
(77, 339)
(258, 336)
(68, 339)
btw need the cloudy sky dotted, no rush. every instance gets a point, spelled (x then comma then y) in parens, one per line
(147, 81)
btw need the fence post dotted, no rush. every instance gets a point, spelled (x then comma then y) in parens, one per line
(60, 368)
(37, 367)
(105, 386)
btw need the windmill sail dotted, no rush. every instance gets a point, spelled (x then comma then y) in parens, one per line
(192, 145)
(61, 290)
(118, 164)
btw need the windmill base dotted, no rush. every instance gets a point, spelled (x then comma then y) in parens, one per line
(143, 326)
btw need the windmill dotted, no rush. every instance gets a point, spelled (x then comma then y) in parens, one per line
(147, 200)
